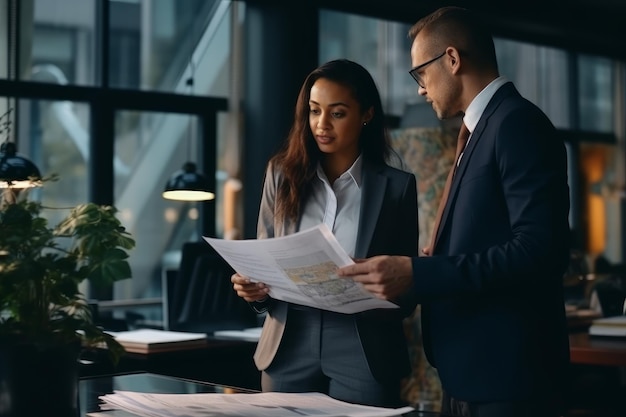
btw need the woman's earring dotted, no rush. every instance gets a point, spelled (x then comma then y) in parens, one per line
(364, 123)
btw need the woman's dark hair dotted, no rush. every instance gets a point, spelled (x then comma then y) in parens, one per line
(298, 158)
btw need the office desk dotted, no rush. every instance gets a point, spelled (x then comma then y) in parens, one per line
(92, 387)
(597, 384)
(226, 362)
(597, 351)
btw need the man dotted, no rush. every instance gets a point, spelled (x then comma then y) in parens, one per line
(493, 314)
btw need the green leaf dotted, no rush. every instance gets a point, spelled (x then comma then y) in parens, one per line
(42, 267)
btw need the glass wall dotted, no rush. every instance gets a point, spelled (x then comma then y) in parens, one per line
(150, 43)
(153, 43)
(55, 136)
(541, 74)
(596, 85)
(383, 47)
(149, 147)
(157, 46)
(59, 47)
(380, 46)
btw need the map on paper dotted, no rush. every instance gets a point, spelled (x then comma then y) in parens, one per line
(300, 268)
(316, 279)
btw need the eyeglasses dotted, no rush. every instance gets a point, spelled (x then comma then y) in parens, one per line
(415, 71)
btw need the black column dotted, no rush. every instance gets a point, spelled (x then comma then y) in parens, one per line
(281, 49)
(100, 166)
(208, 151)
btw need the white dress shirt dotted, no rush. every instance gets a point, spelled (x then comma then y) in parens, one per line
(337, 205)
(477, 107)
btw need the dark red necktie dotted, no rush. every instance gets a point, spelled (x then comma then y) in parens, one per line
(461, 141)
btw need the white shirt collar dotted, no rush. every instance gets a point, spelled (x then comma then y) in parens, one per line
(355, 171)
(479, 104)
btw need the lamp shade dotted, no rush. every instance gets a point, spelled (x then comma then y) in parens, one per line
(15, 170)
(187, 184)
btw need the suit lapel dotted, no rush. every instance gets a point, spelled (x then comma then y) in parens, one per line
(372, 197)
(503, 92)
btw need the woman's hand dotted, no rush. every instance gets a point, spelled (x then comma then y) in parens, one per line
(248, 290)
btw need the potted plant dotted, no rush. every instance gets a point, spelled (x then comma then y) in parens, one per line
(45, 321)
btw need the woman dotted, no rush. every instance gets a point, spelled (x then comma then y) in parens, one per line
(333, 169)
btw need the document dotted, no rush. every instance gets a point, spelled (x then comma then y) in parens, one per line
(152, 340)
(266, 404)
(609, 326)
(251, 334)
(300, 268)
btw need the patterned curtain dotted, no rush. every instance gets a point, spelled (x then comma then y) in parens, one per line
(428, 152)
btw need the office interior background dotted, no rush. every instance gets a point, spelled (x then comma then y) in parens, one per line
(115, 95)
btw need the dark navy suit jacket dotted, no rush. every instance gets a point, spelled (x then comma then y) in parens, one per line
(493, 311)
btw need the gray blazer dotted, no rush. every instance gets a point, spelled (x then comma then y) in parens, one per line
(388, 225)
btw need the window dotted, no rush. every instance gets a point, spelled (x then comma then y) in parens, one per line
(380, 46)
(596, 86)
(167, 74)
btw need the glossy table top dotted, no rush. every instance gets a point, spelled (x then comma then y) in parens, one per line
(91, 388)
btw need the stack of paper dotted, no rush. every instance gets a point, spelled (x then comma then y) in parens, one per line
(267, 404)
(151, 340)
(251, 334)
(609, 326)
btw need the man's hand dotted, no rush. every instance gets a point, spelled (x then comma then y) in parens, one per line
(248, 290)
(387, 277)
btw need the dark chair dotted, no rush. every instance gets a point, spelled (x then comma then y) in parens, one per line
(201, 298)
(611, 292)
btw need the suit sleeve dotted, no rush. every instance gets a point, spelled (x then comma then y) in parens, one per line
(408, 235)
(265, 225)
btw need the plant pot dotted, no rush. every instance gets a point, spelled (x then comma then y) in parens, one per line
(38, 381)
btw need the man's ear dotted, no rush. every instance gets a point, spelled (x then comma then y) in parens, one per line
(454, 58)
